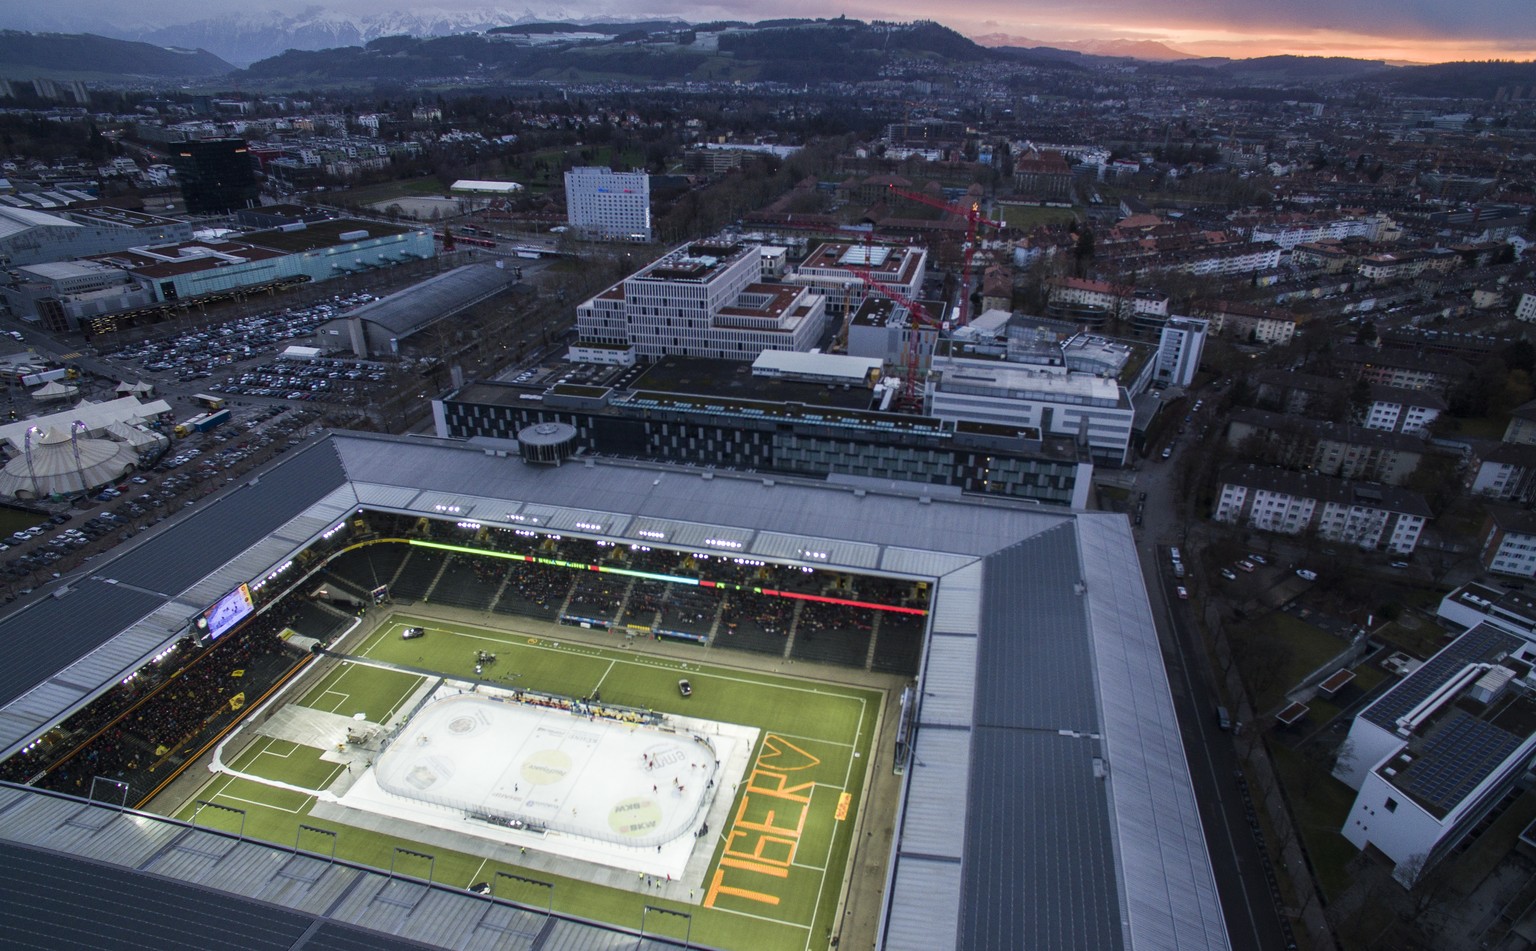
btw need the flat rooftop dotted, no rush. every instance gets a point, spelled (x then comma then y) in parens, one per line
(733, 380)
(186, 257)
(322, 234)
(1014, 379)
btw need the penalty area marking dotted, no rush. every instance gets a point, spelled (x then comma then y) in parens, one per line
(272, 741)
(264, 805)
(342, 698)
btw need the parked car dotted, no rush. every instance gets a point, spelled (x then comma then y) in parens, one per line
(1245, 564)
(1306, 574)
(1229, 574)
(1182, 592)
(1258, 559)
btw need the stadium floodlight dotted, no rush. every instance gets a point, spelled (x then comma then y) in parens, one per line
(664, 912)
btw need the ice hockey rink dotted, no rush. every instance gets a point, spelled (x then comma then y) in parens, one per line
(549, 776)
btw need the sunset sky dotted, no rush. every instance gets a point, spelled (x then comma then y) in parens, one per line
(1407, 30)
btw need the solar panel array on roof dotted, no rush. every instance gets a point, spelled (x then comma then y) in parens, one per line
(1039, 867)
(1456, 756)
(131, 911)
(218, 532)
(39, 642)
(87, 623)
(1034, 648)
(1481, 643)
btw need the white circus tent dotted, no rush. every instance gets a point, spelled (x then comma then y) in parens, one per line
(54, 390)
(58, 464)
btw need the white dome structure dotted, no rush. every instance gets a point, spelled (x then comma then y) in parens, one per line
(61, 465)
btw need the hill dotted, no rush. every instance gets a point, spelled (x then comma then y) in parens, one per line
(58, 55)
(1472, 80)
(798, 51)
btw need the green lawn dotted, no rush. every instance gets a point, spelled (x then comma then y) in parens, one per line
(1320, 806)
(776, 871)
(14, 520)
(1029, 216)
(1305, 648)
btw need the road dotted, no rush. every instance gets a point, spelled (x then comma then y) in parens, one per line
(1253, 921)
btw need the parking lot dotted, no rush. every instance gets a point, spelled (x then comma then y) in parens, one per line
(321, 378)
(191, 469)
(198, 355)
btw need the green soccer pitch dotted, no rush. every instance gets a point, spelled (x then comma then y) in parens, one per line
(778, 866)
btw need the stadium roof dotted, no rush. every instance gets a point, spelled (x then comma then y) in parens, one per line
(1048, 803)
(407, 311)
(88, 875)
(14, 221)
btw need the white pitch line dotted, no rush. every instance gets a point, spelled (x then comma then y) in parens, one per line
(683, 665)
(775, 921)
(475, 877)
(262, 805)
(809, 739)
(603, 677)
(847, 774)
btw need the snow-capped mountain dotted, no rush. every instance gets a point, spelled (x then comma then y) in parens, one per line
(244, 38)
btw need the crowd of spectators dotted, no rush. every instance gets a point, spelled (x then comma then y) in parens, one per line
(197, 699)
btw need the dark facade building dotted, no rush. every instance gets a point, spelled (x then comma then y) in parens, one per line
(772, 433)
(216, 175)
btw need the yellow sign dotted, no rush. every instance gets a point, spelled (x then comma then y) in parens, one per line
(237, 701)
(842, 805)
(769, 822)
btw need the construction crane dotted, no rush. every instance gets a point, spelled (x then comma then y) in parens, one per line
(973, 219)
(917, 317)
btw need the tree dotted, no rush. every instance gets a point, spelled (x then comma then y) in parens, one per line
(1082, 252)
(1430, 893)
(1359, 406)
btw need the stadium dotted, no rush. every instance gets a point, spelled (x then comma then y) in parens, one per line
(396, 692)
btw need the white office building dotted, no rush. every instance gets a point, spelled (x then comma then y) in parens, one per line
(705, 299)
(838, 270)
(1093, 410)
(1438, 751)
(1179, 348)
(608, 205)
